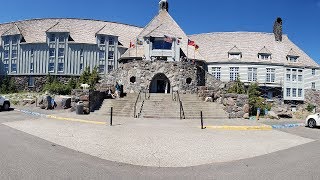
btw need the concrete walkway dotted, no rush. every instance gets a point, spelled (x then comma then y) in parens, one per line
(159, 142)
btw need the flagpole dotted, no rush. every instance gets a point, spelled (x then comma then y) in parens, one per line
(188, 51)
(136, 47)
(194, 55)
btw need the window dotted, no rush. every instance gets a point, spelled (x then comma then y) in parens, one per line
(111, 41)
(6, 68)
(216, 72)
(294, 92)
(313, 85)
(234, 73)
(51, 67)
(14, 54)
(31, 81)
(270, 76)
(110, 68)
(292, 58)
(32, 52)
(61, 39)
(294, 77)
(101, 54)
(288, 77)
(101, 69)
(81, 52)
(52, 52)
(61, 52)
(52, 38)
(60, 67)
(300, 78)
(13, 68)
(31, 67)
(288, 92)
(15, 40)
(111, 55)
(81, 67)
(313, 71)
(264, 56)
(6, 41)
(6, 54)
(235, 56)
(252, 74)
(102, 40)
(299, 92)
(160, 43)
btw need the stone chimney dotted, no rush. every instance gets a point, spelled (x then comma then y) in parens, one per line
(163, 5)
(277, 29)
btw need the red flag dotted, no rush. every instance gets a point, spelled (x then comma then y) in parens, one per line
(191, 43)
(132, 45)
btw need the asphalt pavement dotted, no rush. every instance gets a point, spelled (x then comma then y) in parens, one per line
(24, 156)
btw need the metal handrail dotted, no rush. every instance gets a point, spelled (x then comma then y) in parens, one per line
(135, 105)
(182, 114)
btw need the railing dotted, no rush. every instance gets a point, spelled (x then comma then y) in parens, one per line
(135, 105)
(140, 97)
(176, 97)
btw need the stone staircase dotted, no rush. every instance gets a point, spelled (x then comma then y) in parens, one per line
(121, 107)
(192, 106)
(160, 106)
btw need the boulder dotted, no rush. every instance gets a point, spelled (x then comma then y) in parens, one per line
(45, 102)
(208, 99)
(246, 108)
(28, 101)
(246, 116)
(273, 115)
(230, 101)
(84, 98)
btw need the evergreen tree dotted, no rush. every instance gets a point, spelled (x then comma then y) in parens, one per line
(237, 88)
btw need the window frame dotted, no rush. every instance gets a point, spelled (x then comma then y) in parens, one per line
(234, 73)
(31, 79)
(14, 68)
(288, 92)
(61, 54)
(252, 74)
(52, 50)
(216, 72)
(271, 75)
(59, 67)
(51, 65)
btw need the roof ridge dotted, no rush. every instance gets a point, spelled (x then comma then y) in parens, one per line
(68, 18)
(235, 32)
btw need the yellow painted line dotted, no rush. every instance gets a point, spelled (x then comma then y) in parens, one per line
(241, 128)
(75, 120)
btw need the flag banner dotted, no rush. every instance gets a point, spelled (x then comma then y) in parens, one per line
(168, 39)
(191, 43)
(196, 47)
(132, 45)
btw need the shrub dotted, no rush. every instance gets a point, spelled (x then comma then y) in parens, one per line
(310, 107)
(237, 88)
(8, 86)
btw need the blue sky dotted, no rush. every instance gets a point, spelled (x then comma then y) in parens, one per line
(301, 17)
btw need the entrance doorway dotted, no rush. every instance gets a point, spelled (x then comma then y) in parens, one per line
(160, 84)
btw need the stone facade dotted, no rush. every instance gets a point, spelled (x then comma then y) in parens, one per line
(138, 75)
(312, 97)
(237, 105)
(92, 100)
(21, 82)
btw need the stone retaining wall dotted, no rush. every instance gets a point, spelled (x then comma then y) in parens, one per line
(92, 100)
(236, 105)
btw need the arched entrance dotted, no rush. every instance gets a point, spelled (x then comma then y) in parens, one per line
(160, 84)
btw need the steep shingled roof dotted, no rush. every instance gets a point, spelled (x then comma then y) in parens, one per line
(81, 30)
(14, 30)
(215, 46)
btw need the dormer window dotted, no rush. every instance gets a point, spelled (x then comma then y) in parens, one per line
(111, 41)
(264, 54)
(292, 56)
(6, 41)
(234, 54)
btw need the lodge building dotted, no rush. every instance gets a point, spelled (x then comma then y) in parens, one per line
(31, 49)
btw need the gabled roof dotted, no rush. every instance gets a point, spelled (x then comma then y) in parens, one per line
(14, 30)
(234, 50)
(264, 50)
(214, 47)
(81, 30)
(164, 25)
(106, 31)
(292, 53)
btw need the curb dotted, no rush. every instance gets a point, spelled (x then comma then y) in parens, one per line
(284, 126)
(59, 118)
(241, 128)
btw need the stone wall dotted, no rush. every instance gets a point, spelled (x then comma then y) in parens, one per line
(312, 97)
(236, 105)
(144, 71)
(92, 100)
(21, 82)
